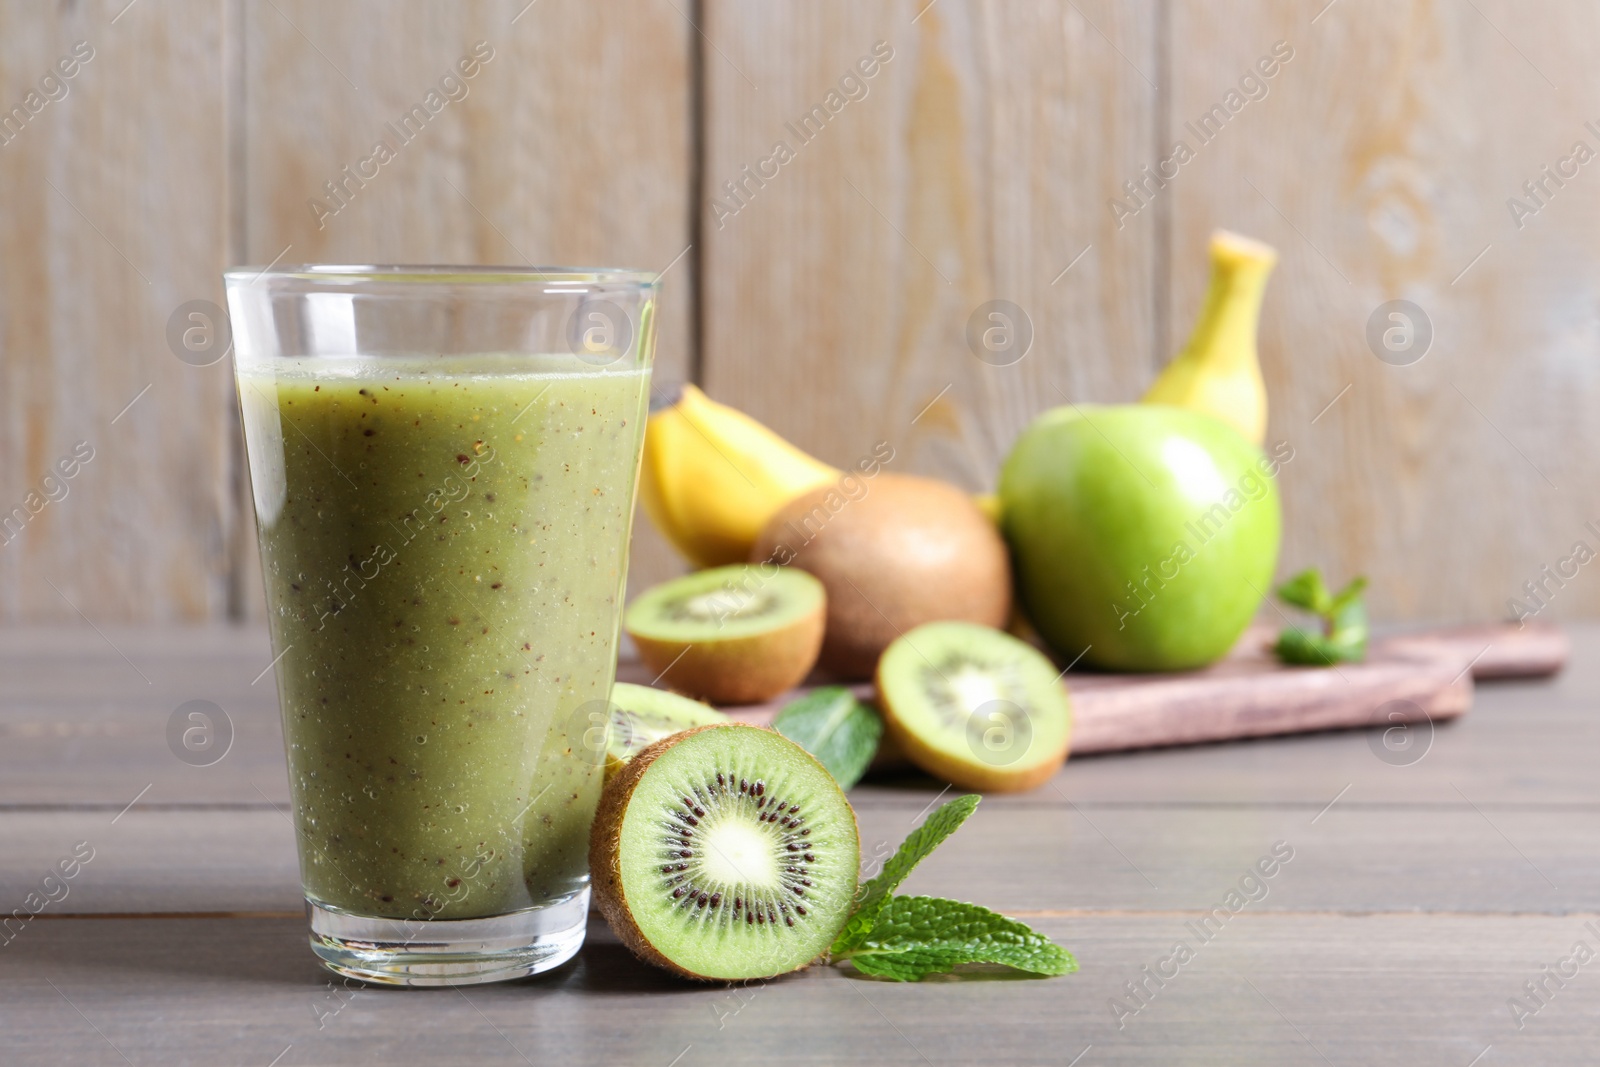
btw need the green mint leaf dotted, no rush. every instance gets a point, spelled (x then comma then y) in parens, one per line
(1306, 591)
(1347, 625)
(1343, 638)
(1347, 597)
(835, 727)
(1349, 630)
(918, 936)
(1305, 648)
(874, 894)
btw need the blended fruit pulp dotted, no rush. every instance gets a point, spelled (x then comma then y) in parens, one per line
(445, 555)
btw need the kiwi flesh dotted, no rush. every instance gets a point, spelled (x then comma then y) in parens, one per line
(725, 853)
(642, 715)
(731, 635)
(975, 706)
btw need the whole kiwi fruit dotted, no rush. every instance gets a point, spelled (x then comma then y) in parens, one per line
(898, 552)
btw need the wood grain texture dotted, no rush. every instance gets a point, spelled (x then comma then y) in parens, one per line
(980, 163)
(570, 146)
(114, 206)
(1259, 698)
(839, 291)
(1360, 857)
(78, 727)
(1380, 164)
(1419, 898)
(1271, 990)
(1420, 677)
(1533, 650)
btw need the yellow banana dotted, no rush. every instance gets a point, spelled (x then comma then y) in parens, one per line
(1218, 371)
(712, 476)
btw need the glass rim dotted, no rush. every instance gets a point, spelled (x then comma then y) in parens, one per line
(604, 278)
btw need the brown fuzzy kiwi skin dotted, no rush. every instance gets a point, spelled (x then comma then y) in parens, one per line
(605, 851)
(910, 550)
(960, 774)
(738, 670)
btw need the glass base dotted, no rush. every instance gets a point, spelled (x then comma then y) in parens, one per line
(446, 952)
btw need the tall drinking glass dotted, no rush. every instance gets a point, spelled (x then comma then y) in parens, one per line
(443, 461)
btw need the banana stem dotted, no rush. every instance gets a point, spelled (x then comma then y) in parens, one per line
(1224, 336)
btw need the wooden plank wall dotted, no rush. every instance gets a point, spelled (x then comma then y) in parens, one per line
(838, 295)
(114, 201)
(832, 297)
(1379, 162)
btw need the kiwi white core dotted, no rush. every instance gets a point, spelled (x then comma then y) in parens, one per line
(725, 603)
(974, 687)
(736, 852)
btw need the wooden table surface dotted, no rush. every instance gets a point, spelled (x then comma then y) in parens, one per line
(1422, 895)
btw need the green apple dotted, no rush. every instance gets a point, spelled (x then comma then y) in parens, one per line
(1143, 536)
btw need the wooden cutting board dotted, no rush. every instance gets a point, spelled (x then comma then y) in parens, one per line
(1409, 677)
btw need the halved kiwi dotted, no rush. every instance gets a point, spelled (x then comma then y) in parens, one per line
(975, 706)
(725, 853)
(642, 715)
(731, 635)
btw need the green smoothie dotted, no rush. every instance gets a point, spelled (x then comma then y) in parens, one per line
(445, 556)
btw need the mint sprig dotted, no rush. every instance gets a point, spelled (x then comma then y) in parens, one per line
(836, 728)
(909, 938)
(918, 936)
(919, 843)
(1342, 637)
